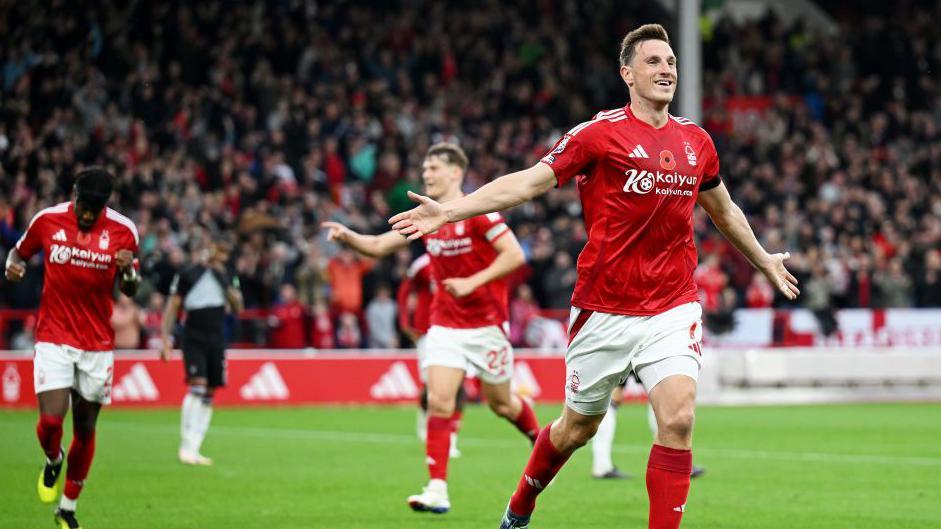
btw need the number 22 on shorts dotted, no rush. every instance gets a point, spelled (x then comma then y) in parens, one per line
(497, 360)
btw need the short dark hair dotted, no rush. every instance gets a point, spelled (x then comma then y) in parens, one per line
(452, 153)
(93, 186)
(635, 37)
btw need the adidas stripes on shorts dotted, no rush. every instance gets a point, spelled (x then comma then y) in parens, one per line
(604, 348)
(57, 366)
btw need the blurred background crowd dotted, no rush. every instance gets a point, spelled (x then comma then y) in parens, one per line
(267, 118)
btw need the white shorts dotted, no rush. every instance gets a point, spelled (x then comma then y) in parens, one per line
(89, 373)
(606, 347)
(420, 353)
(483, 349)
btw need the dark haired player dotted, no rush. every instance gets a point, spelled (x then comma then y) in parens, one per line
(87, 247)
(640, 172)
(203, 290)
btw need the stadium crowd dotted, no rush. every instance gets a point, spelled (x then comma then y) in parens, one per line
(267, 118)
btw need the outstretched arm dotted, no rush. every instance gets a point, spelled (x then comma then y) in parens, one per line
(731, 221)
(368, 245)
(504, 192)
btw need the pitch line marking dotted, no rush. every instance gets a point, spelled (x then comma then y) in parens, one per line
(385, 438)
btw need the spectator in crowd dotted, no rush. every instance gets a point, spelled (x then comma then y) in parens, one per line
(128, 320)
(559, 280)
(523, 309)
(929, 281)
(760, 293)
(381, 319)
(345, 272)
(819, 290)
(349, 335)
(893, 286)
(287, 320)
(153, 319)
(322, 333)
(711, 280)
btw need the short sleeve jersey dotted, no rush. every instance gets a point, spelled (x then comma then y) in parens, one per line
(80, 272)
(638, 186)
(462, 249)
(202, 291)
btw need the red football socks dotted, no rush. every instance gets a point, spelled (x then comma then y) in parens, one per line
(668, 472)
(437, 446)
(81, 453)
(544, 463)
(456, 420)
(49, 432)
(526, 422)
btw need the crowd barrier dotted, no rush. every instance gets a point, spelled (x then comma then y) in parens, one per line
(305, 377)
(286, 378)
(744, 328)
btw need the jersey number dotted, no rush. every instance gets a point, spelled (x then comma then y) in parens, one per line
(497, 360)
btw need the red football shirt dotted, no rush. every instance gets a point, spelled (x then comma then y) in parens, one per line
(462, 249)
(417, 281)
(80, 272)
(638, 186)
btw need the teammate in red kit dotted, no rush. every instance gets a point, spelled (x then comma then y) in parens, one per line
(469, 312)
(414, 307)
(640, 172)
(87, 247)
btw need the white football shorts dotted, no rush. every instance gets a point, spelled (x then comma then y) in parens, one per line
(420, 352)
(90, 373)
(605, 348)
(484, 351)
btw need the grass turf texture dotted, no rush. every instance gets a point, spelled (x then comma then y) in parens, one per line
(853, 467)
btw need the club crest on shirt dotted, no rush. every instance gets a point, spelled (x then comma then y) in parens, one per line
(690, 154)
(104, 240)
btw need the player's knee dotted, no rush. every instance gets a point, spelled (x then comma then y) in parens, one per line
(679, 423)
(83, 428)
(502, 409)
(440, 406)
(574, 434)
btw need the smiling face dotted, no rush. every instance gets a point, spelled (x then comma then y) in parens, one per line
(441, 178)
(651, 72)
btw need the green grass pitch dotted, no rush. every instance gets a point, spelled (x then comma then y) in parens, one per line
(831, 467)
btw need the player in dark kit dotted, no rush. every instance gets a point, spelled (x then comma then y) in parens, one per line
(640, 173)
(203, 291)
(87, 247)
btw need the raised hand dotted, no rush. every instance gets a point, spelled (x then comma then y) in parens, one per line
(778, 275)
(425, 219)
